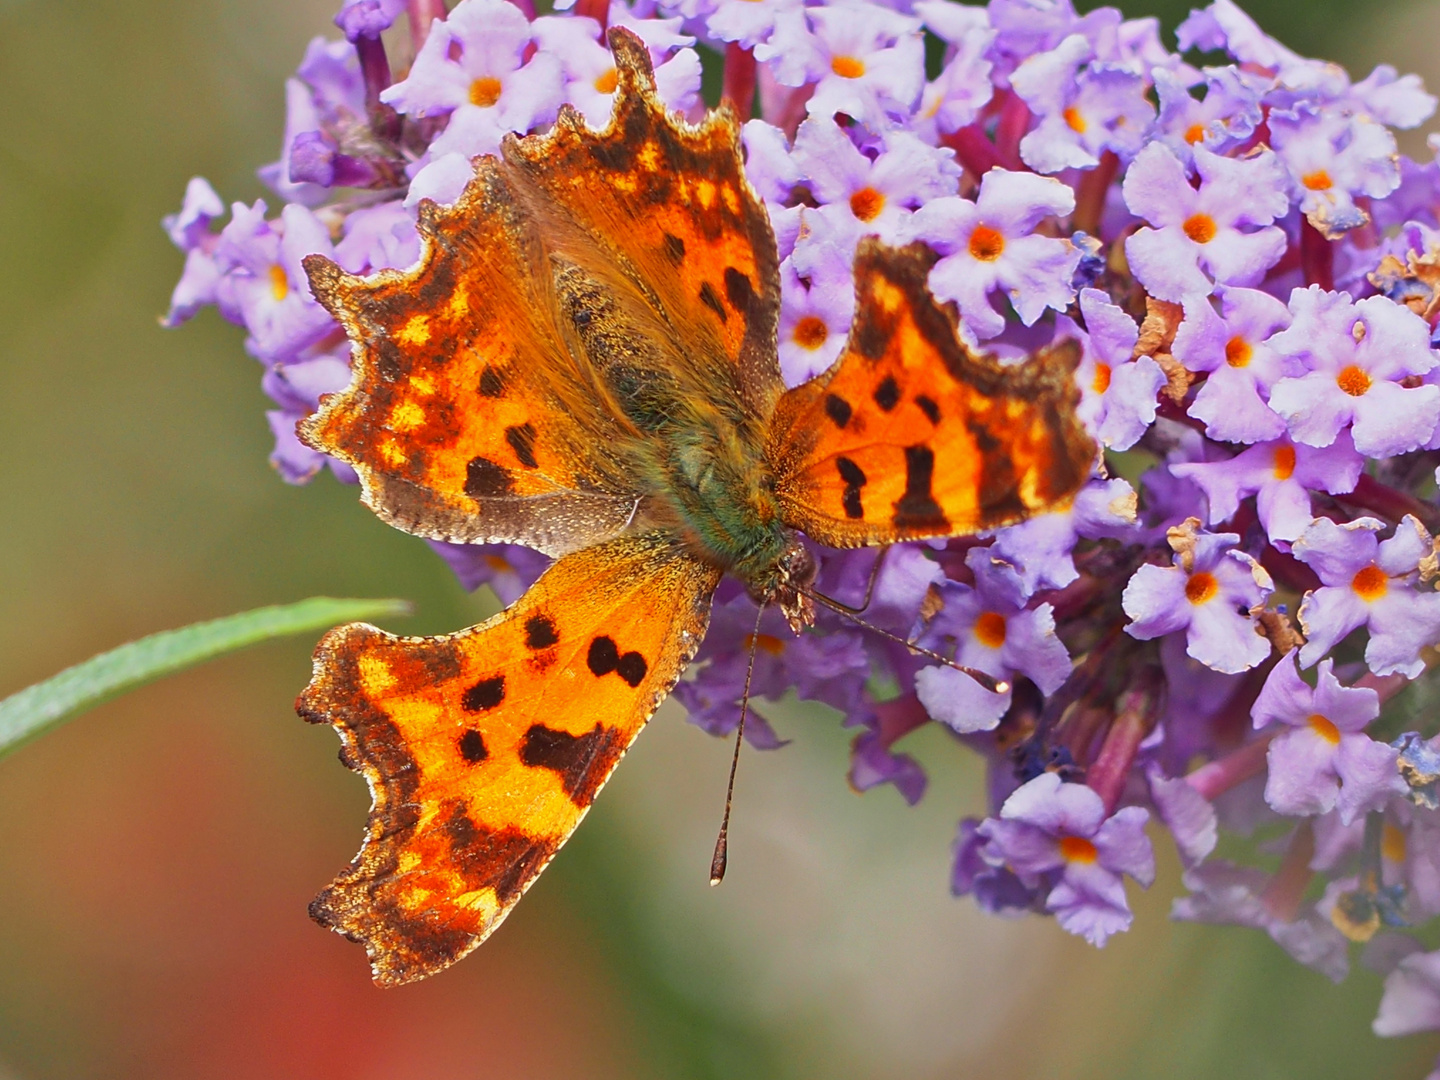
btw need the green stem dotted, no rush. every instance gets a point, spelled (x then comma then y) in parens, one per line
(37, 709)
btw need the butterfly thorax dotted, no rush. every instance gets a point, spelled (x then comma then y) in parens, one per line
(695, 450)
(719, 487)
(706, 479)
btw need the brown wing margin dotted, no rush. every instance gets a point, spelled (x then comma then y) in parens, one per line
(912, 434)
(460, 420)
(484, 749)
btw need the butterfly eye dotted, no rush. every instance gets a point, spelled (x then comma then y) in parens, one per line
(798, 566)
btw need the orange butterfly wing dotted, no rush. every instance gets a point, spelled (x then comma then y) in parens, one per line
(484, 749)
(669, 205)
(911, 434)
(466, 419)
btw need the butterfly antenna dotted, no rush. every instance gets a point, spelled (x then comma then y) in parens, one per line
(846, 609)
(989, 682)
(722, 842)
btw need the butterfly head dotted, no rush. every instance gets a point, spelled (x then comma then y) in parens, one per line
(786, 583)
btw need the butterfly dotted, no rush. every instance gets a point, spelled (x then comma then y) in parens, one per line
(584, 361)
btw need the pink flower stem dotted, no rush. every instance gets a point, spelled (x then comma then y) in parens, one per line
(1371, 494)
(975, 152)
(1090, 194)
(1010, 129)
(1219, 776)
(900, 717)
(1078, 597)
(375, 70)
(781, 105)
(1387, 686)
(422, 13)
(599, 10)
(1286, 891)
(739, 82)
(1317, 257)
(1288, 570)
(1139, 709)
(1367, 235)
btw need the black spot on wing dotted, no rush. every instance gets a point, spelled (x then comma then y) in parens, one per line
(492, 383)
(485, 694)
(985, 442)
(738, 290)
(540, 632)
(917, 508)
(483, 477)
(602, 657)
(581, 761)
(887, 394)
(854, 479)
(472, 747)
(632, 668)
(521, 438)
(837, 409)
(711, 299)
(675, 248)
(928, 407)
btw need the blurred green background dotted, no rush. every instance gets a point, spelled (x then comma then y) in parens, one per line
(156, 856)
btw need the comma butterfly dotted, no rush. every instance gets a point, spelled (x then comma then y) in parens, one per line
(584, 361)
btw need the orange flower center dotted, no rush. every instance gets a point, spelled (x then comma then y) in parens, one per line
(811, 332)
(1102, 377)
(1201, 588)
(867, 203)
(986, 244)
(1324, 728)
(1319, 180)
(1353, 380)
(1200, 228)
(1077, 849)
(607, 81)
(1284, 462)
(1194, 133)
(1370, 583)
(990, 629)
(847, 67)
(1075, 120)
(498, 563)
(765, 643)
(485, 91)
(1238, 352)
(279, 282)
(1392, 843)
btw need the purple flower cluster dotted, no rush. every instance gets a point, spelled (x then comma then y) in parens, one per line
(1217, 632)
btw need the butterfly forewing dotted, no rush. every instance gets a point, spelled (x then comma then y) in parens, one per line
(667, 205)
(484, 749)
(911, 434)
(465, 419)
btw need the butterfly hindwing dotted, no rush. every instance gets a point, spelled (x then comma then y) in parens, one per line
(911, 434)
(484, 749)
(463, 420)
(667, 204)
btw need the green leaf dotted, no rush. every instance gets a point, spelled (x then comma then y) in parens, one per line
(36, 709)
